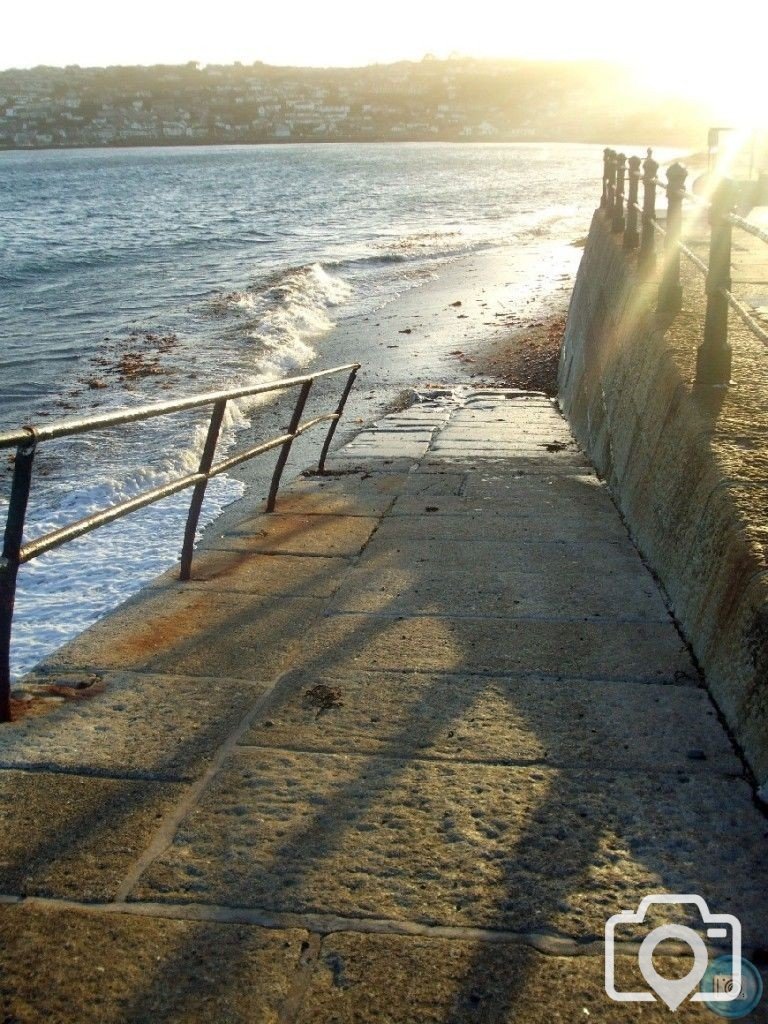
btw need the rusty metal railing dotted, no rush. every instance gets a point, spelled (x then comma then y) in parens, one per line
(27, 439)
(713, 362)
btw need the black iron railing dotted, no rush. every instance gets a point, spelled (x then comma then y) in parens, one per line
(714, 357)
(26, 441)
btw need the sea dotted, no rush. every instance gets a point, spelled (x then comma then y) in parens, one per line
(136, 275)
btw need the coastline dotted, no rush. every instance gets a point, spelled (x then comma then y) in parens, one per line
(452, 330)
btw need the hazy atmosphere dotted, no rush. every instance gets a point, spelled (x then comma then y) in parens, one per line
(674, 48)
(384, 512)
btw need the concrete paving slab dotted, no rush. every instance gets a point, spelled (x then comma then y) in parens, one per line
(369, 979)
(300, 535)
(534, 418)
(525, 421)
(354, 484)
(512, 432)
(510, 848)
(457, 459)
(195, 633)
(507, 424)
(534, 591)
(243, 572)
(352, 463)
(326, 502)
(583, 493)
(72, 836)
(134, 725)
(477, 718)
(468, 526)
(67, 966)
(418, 483)
(544, 442)
(637, 652)
(515, 457)
(388, 446)
(546, 503)
(487, 557)
(514, 449)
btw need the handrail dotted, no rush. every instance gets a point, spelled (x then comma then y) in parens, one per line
(748, 226)
(26, 440)
(713, 365)
(80, 425)
(744, 314)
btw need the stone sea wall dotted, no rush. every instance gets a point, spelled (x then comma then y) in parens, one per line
(689, 471)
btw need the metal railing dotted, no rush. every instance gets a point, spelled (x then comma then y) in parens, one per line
(27, 439)
(714, 356)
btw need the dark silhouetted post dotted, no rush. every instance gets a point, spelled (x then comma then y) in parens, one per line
(617, 223)
(9, 563)
(196, 504)
(610, 181)
(713, 360)
(631, 234)
(648, 239)
(670, 290)
(607, 153)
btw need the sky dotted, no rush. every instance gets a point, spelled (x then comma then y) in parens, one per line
(685, 47)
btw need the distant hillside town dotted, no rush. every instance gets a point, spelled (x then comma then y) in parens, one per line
(453, 100)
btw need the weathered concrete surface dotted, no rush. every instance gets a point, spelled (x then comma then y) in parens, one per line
(280, 534)
(500, 720)
(233, 570)
(75, 836)
(640, 652)
(369, 979)
(531, 590)
(169, 632)
(133, 725)
(97, 968)
(519, 849)
(689, 471)
(430, 725)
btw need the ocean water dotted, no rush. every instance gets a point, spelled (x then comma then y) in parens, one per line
(129, 276)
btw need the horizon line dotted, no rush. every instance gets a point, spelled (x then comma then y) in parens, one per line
(428, 58)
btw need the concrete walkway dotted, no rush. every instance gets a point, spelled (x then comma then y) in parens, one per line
(394, 755)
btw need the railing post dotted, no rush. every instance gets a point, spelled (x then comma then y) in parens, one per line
(648, 238)
(610, 182)
(617, 221)
(606, 177)
(285, 450)
(631, 235)
(713, 359)
(9, 564)
(196, 503)
(670, 289)
(335, 422)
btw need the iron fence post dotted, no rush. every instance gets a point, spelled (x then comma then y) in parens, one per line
(713, 359)
(631, 234)
(606, 173)
(334, 423)
(610, 182)
(9, 563)
(670, 289)
(198, 494)
(285, 450)
(648, 238)
(617, 222)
